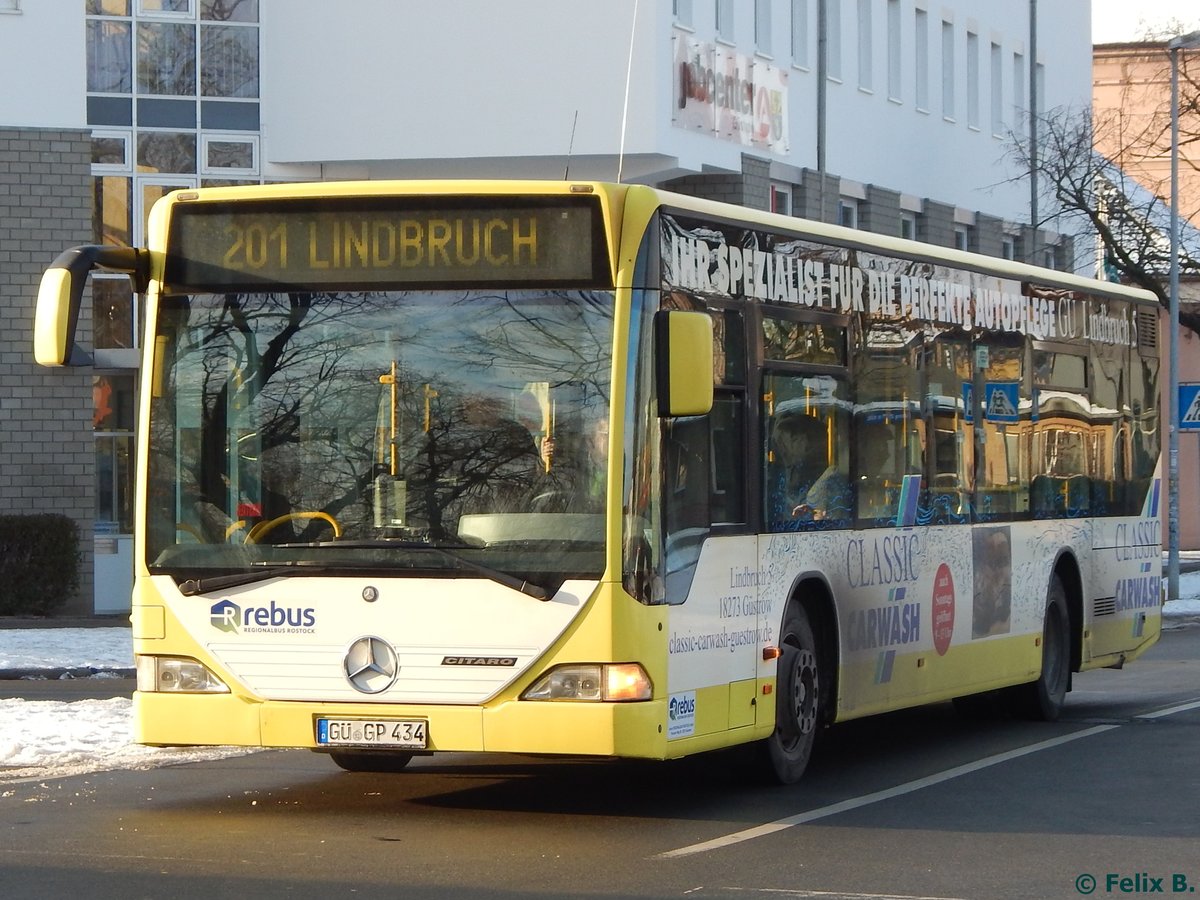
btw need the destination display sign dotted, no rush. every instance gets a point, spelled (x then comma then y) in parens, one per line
(380, 243)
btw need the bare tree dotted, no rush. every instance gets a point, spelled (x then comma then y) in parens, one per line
(1117, 196)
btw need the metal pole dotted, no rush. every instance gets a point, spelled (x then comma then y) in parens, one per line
(1173, 395)
(1033, 135)
(822, 95)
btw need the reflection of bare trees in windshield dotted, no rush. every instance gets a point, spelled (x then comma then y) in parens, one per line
(516, 376)
(265, 395)
(391, 413)
(569, 340)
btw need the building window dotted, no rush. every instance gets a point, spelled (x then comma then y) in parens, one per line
(166, 151)
(166, 59)
(800, 32)
(762, 26)
(229, 154)
(1008, 247)
(921, 59)
(972, 80)
(247, 10)
(962, 237)
(110, 151)
(109, 56)
(113, 409)
(948, 70)
(847, 212)
(865, 38)
(113, 313)
(683, 12)
(997, 75)
(833, 39)
(908, 226)
(894, 59)
(112, 202)
(165, 7)
(725, 20)
(228, 61)
(1018, 71)
(781, 199)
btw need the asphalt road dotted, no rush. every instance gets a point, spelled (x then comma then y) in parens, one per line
(919, 804)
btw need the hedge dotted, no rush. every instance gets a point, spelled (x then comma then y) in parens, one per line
(39, 564)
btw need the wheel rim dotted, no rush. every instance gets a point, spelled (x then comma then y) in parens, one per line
(802, 698)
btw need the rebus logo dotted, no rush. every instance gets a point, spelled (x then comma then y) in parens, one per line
(226, 616)
(681, 706)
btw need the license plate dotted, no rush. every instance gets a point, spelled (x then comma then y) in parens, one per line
(409, 734)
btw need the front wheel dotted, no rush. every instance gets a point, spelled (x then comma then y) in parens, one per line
(1044, 699)
(797, 700)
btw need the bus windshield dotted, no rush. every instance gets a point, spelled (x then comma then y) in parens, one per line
(359, 428)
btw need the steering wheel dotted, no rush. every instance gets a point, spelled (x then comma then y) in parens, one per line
(263, 528)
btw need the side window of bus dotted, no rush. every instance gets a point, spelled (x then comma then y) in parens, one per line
(807, 461)
(1111, 439)
(728, 459)
(889, 430)
(1144, 440)
(1005, 405)
(1062, 436)
(703, 456)
(685, 500)
(950, 459)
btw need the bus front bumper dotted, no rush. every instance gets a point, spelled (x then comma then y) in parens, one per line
(550, 727)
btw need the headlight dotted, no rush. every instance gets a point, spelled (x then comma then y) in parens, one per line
(176, 674)
(592, 681)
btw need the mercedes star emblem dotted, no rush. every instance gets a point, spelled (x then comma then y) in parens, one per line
(371, 665)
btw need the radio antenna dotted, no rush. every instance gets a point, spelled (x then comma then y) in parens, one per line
(571, 147)
(628, 77)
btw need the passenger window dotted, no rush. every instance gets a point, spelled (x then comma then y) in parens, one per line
(806, 471)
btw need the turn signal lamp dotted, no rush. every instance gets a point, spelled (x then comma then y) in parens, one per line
(612, 682)
(176, 675)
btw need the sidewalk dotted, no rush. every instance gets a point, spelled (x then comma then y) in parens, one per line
(120, 620)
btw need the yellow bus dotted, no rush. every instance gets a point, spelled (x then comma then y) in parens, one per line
(600, 470)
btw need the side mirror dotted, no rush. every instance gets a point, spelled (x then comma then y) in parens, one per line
(684, 345)
(60, 296)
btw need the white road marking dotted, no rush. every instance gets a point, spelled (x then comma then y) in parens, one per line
(899, 790)
(834, 809)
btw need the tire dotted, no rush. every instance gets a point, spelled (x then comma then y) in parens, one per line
(798, 706)
(1043, 700)
(371, 760)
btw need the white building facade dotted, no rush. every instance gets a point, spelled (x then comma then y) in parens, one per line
(899, 122)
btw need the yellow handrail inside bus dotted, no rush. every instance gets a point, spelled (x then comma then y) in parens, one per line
(263, 527)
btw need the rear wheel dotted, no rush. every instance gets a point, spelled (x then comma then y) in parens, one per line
(1044, 699)
(371, 760)
(797, 700)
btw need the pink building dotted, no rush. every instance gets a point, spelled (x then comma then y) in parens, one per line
(1131, 101)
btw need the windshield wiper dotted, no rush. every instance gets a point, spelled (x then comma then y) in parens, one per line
(536, 591)
(194, 586)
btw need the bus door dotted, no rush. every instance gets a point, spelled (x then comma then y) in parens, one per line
(710, 555)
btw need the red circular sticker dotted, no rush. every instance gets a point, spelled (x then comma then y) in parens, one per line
(943, 609)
